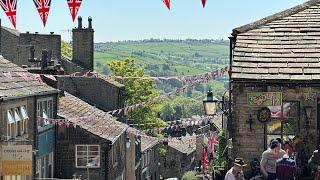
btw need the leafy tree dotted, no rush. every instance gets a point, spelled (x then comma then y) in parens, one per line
(66, 49)
(190, 175)
(137, 91)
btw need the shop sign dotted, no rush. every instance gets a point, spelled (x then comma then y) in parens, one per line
(264, 99)
(16, 160)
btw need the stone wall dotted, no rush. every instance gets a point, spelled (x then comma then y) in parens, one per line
(69, 67)
(250, 144)
(9, 45)
(175, 163)
(99, 92)
(16, 46)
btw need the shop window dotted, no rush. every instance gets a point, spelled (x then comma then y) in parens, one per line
(284, 121)
(87, 156)
(44, 110)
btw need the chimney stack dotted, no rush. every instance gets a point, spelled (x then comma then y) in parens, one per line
(90, 22)
(44, 59)
(79, 22)
(31, 55)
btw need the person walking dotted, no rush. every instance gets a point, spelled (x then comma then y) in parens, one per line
(269, 158)
(236, 172)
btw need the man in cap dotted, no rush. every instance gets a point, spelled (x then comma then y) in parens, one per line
(269, 159)
(236, 172)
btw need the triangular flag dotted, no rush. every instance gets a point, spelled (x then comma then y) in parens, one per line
(167, 3)
(7, 75)
(23, 75)
(51, 77)
(38, 78)
(203, 3)
(10, 8)
(74, 6)
(43, 7)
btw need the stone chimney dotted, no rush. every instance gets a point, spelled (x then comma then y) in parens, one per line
(44, 59)
(83, 45)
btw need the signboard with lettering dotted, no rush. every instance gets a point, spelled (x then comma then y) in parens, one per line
(264, 99)
(16, 160)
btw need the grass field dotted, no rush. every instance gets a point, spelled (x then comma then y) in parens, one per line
(182, 57)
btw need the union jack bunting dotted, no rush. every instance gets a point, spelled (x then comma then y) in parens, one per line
(10, 8)
(167, 3)
(74, 6)
(203, 3)
(43, 7)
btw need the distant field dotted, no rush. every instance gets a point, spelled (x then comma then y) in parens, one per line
(166, 57)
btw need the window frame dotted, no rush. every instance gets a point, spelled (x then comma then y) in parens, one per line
(41, 111)
(88, 155)
(282, 120)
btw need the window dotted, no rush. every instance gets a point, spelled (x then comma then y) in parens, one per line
(17, 122)
(44, 110)
(87, 156)
(38, 167)
(284, 123)
(116, 152)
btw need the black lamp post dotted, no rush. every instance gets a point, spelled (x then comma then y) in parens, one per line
(210, 104)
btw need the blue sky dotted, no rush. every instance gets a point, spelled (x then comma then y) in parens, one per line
(115, 20)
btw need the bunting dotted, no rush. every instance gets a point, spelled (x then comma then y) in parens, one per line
(167, 3)
(43, 7)
(74, 6)
(204, 3)
(10, 8)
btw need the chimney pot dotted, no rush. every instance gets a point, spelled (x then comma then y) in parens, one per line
(27, 32)
(51, 32)
(37, 32)
(79, 22)
(90, 22)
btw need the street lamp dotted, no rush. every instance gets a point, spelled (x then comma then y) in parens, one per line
(210, 104)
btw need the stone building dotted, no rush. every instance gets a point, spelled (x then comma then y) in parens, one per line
(22, 99)
(92, 144)
(275, 81)
(142, 156)
(180, 157)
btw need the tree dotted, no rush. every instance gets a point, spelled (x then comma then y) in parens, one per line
(66, 49)
(137, 91)
(190, 175)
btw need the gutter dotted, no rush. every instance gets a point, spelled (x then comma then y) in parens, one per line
(6, 98)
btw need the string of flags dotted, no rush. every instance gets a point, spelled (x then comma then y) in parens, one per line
(42, 6)
(167, 3)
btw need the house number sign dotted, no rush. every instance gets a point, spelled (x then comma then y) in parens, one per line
(264, 99)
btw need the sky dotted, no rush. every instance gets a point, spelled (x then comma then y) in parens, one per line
(117, 20)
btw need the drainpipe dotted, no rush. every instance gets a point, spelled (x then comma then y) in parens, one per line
(35, 138)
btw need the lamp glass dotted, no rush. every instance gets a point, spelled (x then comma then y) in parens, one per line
(128, 143)
(209, 107)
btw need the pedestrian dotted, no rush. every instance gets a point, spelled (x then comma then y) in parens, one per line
(286, 168)
(236, 172)
(314, 162)
(289, 148)
(269, 158)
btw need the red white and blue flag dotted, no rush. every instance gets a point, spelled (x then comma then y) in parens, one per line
(203, 3)
(74, 6)
(43, 7)
(167, 3)
(10, 8)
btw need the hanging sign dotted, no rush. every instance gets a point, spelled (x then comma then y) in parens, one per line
(16, 160)
(264, 99)
(43, 7)
(10, 8)
(74, 6)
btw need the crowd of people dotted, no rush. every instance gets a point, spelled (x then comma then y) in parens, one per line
(279, 162)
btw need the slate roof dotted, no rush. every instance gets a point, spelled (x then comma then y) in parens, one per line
(186, 144)
(147, 142)
(17, 87)
(284, 46)
(104, 126)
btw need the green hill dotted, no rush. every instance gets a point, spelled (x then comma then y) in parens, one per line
(166, 57)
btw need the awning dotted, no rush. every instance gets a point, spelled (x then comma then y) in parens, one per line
(24, 113)
(10, 117)
(17, 116)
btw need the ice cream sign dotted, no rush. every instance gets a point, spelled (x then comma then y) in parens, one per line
(264, 99)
